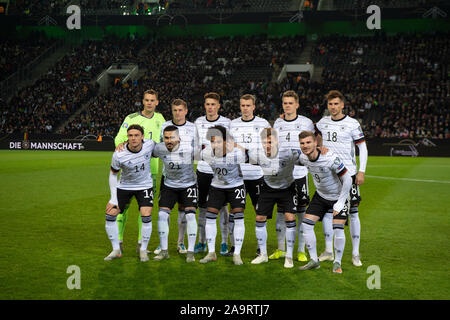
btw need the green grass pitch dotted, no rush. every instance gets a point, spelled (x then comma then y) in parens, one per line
(52, 207)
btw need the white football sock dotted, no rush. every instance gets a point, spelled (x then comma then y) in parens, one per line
(239, 232)
(281, 231)
(355, 230)
(261, 236)
(112, 230)
(163, 229)
(327, 223)
(191, 225)
(310, 238)
(290, 238)
(339, 242)
(146, 231)
(211, 232)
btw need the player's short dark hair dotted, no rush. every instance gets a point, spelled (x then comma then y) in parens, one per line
(212, 95)
(179, 102)
(334, 94)
(249, 97)
(268, 132)
(171, 128)
(136, 127)
(218, 131)
(305, 134)
(150, 91)
(290, 94)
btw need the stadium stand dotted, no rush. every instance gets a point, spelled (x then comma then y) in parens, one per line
(17, 53)
(188, 68)
(397, 86)
(65, 87)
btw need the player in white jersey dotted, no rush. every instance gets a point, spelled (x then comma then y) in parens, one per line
(289, 127)
(186, 130)
(246, 132)
(341, 133)
(135, 180)
(179, 184)
(278, 188)
(227, 186)
(333, 183)
(205, 173)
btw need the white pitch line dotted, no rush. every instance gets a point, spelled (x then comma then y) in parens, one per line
(407, 179)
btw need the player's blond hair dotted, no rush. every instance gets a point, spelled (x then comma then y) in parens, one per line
(249, 97)
(179, 102)
(290, 94)
(306, 134)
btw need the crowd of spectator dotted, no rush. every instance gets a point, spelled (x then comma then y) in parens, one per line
(396, 86)
(37, 7)
(57, 94)
(17, 53)
(187, 69)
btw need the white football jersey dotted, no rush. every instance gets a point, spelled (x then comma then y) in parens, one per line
(178, 168)
(136, 172)
(186, 132)
(202, 124)
(340, 136)
(288, 131)
(226, 170)
(325, 171)
(278, 171)
(247, 134)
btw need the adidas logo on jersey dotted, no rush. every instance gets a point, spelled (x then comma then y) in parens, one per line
(243, 202)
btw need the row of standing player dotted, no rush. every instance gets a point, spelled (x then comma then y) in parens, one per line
(337, 130)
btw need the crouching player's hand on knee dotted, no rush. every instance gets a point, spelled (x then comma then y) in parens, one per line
(112, 209)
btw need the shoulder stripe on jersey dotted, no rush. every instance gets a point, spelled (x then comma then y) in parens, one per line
(360, 140)
(342, 172)
(115, 170)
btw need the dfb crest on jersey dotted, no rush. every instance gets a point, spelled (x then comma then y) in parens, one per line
(337, 161)
(147, 156)
(342, 128)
